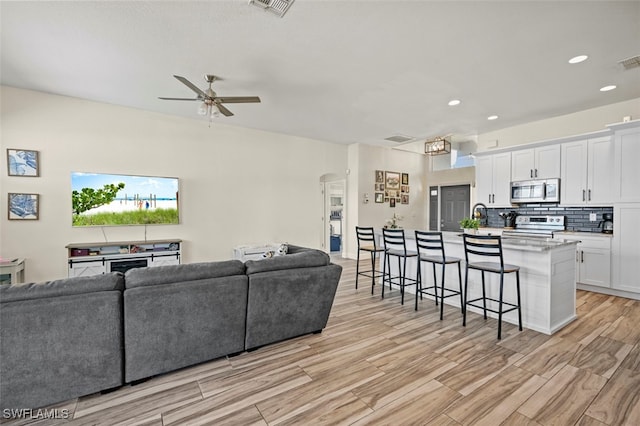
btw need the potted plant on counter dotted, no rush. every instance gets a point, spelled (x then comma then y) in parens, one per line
(470, 226)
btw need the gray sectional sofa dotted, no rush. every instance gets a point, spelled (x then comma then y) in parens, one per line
(72, 337)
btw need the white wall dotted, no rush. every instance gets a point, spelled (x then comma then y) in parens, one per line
(237, 186)
(364, 160)
(586, 121)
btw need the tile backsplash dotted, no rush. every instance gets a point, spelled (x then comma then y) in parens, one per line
(577, 217)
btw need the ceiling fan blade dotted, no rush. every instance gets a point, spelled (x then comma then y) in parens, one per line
(224, 110)
(191, 86)
(180, 99)
(237, 99)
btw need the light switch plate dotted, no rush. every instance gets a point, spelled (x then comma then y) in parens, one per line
(592, 217)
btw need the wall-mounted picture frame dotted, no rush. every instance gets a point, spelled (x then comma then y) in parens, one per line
(404, 189)
(392, 180)
(405, 199)
(405, 178)
(379, 197)
(23, 162)
(380, 187)
(386, 199)
(379, 176)
(392, 202)
(23, 206)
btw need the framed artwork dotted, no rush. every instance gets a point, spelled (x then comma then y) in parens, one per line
(386, 199)
(23, 206)
(21, 162)
(405, 178)
(404, 189)
(392, 202)
(379, 197)
(405, 199)
(380, 187)
(392, 180)
(379, 176)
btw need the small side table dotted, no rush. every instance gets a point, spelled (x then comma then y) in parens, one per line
(12, 271)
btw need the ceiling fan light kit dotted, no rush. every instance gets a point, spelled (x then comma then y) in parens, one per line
(437, 146)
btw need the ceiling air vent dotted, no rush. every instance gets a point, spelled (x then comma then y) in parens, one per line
(279, 7)
(399, 138)
(630, 63)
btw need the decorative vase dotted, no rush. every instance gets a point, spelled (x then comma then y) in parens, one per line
(470, 231)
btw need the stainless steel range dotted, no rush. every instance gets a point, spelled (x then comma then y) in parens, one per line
(536, 226)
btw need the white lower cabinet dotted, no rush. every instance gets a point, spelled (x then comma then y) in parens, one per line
(593, 258)
(626, 247)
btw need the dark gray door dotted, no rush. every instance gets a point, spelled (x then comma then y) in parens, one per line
(454, 205)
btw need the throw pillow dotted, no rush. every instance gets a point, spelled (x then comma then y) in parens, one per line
(282, 250)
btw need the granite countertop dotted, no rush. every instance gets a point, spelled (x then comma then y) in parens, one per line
(515, 243)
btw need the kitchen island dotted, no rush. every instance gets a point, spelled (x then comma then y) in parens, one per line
(547, 279)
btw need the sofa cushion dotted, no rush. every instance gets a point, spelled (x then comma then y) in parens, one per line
(62, 287)
(158, 275)
(303, 258)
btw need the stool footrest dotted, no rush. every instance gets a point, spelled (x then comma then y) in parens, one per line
(512, 308)
(424, 291)
(376, 273)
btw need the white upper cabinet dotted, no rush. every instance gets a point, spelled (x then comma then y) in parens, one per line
(627, 164)
(587, 175)
(493, 179)
(536, 163)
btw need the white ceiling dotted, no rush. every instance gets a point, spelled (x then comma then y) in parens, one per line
(340, 71)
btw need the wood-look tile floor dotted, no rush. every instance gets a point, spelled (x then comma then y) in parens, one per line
(379, 362)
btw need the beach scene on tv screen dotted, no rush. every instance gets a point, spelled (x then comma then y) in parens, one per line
(110, 200)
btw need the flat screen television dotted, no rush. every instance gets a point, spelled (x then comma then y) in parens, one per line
(115, 200)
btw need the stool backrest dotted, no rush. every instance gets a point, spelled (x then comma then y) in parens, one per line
(483, 246)
(394, 239)
(365, 236)
(430, 242)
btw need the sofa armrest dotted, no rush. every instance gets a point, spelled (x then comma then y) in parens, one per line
(288, 303)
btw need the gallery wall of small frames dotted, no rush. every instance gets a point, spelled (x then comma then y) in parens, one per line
(391, 187)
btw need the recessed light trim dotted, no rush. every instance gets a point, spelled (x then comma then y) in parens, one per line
(454, 102)
(492, 117)
(578, 59)
(607, 88)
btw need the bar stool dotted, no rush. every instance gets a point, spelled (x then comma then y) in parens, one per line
(489, 246)
(395, 246)
(431, 242)
(367, 243)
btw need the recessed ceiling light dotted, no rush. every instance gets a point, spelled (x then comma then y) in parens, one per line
(492, 117)
(454, 102)
(607, 88)
(578, 59)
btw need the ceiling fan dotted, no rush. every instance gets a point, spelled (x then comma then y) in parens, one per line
(211, 102)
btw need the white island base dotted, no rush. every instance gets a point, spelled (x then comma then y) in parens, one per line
(547, 280)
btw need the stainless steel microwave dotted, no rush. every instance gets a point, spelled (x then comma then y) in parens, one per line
(535, 191)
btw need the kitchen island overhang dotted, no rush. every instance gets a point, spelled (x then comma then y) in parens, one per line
(547, 279)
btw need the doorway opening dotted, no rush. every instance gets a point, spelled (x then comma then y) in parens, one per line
(334, 213)
(455, 202)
